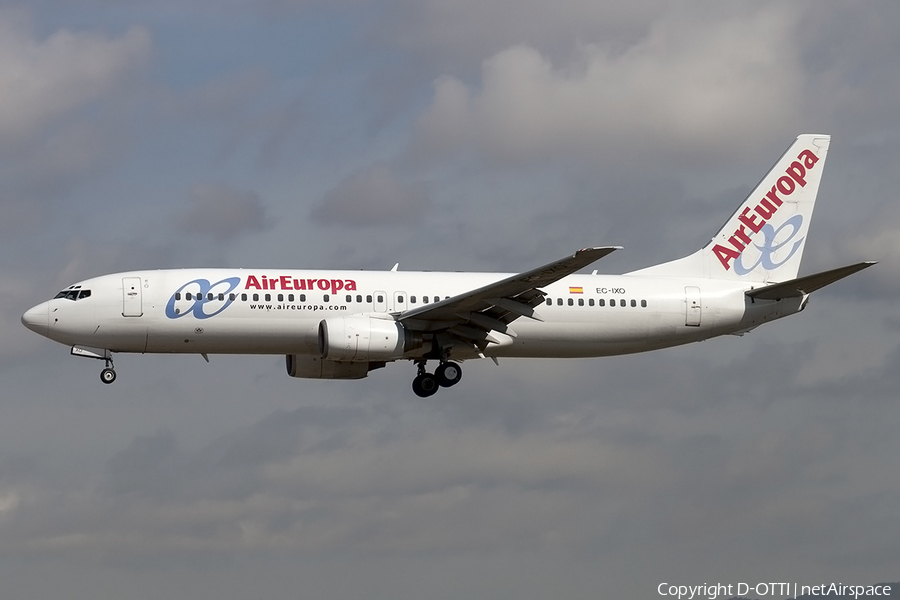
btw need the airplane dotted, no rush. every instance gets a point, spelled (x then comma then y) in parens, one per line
(332, 324)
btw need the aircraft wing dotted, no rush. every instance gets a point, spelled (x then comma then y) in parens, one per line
(471, 316)
(806, 285)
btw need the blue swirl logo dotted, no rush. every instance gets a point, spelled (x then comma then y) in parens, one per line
(770, 247)
(201, 293)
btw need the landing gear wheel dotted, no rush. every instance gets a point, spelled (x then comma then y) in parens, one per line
(107, 375)
(448, 374)
(425, 385)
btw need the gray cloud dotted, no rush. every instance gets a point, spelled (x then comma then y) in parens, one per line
(222, 212)
(670, 85)
(393, 479)
(373, 196)
(42, 81)
(50, 90)
(457, 35)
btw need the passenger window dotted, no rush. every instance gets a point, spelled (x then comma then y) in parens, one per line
(621, 303)
(349, 298)
(209, 296)
(243, 297)
(326, 298)
(369, 298)
(643, 304)
(188, 296)
(359, 298)
(256, 297)
(612, 302)
(601, 302)
(559, 302)
(633, 303)
(424, 299)
(290, 297)
(281, 297)
(268, 297)
(380, 298)
(302, 297)
(549, 301)
(581, 302)
(591, 302)
(178, 295)
(571, 302)
(222, 296)
(412, 299)
(400, 299)
(232, 297)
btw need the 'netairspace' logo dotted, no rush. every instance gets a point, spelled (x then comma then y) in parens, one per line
(202, 293)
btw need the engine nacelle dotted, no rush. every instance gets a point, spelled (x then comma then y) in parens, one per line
(364, 339)
(313, 367)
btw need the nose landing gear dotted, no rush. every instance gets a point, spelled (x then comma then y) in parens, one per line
(425, 384)
(107, 375)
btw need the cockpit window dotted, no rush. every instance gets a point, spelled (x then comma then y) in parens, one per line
(74, 294)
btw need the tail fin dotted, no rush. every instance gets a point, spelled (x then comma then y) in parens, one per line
(763, 241)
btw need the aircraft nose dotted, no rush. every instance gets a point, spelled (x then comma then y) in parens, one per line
(37, 318)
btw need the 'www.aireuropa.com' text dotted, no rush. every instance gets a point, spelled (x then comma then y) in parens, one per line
(711, 591)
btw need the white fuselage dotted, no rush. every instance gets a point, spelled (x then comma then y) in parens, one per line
(253, 311)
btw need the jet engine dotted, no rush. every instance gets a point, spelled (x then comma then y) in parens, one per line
(364, 339)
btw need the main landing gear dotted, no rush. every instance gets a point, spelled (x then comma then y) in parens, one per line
(425, 384)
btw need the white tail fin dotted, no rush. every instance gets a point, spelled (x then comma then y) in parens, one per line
(763, 241)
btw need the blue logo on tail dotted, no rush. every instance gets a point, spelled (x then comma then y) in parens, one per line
(769, 247)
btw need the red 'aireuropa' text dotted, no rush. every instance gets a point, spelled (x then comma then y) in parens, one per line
(286, 282)
(752, 222)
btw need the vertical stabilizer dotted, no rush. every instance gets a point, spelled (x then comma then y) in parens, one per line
(763, 241)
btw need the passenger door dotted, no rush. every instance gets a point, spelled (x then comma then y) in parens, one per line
(132, 306)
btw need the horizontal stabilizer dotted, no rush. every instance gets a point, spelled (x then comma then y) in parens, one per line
(806, 285)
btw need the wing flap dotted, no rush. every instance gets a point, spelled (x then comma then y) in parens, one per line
(488, 323)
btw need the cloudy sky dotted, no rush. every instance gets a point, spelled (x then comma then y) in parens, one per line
(490, 135)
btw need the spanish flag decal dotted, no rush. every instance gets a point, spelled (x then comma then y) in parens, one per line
(576, 290)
